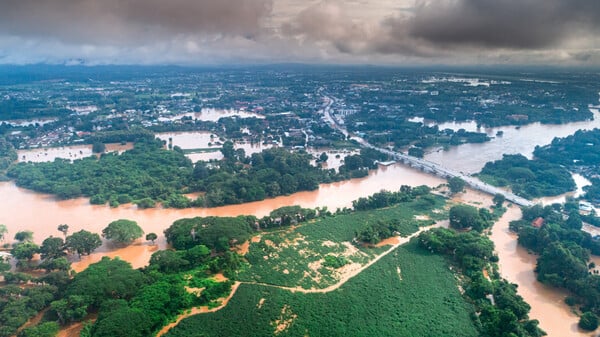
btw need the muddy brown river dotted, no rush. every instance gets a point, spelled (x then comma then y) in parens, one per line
(43, 213)
(24, 210)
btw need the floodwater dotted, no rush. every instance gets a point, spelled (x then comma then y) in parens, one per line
(213, 115)
(206, 144)
(580, 181)
(335, 158)
(42, 213)
(517, 265)
(66, 152)
(25, 210)
(470, 158)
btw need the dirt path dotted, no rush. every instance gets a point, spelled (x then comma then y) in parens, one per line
(347, 277)
(204, 309)
(200, 310)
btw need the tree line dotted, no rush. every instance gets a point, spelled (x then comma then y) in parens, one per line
(564, 256)
(149, 174)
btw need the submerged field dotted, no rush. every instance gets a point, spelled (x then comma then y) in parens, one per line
(409, 292)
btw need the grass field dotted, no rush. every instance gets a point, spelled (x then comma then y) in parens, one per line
(295, 257)
(409, 292)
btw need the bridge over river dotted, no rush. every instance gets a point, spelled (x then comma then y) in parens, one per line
(425, 165)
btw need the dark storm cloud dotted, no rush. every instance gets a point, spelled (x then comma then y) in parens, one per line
(440, 28)
(130, 21)
(327, 21)
(521, 24)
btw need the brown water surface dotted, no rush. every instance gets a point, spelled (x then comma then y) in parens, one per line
(25, 210)
(517, 265)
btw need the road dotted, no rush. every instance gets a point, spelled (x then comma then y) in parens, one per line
(423, 164)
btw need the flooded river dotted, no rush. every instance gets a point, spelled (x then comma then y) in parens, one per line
(470, 158)
(43, 213)
(517, 265)
(25, 210)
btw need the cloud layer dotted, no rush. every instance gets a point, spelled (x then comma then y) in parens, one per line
(130, 21)
(369, 31)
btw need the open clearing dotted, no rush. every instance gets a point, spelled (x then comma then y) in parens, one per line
(296, 258)
(425, 301)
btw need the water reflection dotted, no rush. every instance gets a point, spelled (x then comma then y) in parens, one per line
(470, 158)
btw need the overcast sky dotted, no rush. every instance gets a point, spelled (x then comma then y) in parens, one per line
(561, 32)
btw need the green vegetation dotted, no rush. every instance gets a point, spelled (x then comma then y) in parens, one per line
(581, 148)
(580, 153)
(588, 321)
(3, 231)
(456, 185)
(129, 302)
(122, 231)
(151, 237)
(386, 198)
(149, 174)
(507, 315)
(564, 252)
(8, 155)
(18, 304)
(528, 178)
(83, 242)
(218, 233)
(469, 217)
(409, 292)
(299, 257)
(145, 171)
(47, 329)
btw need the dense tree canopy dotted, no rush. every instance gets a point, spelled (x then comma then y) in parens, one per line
(528, 178)
(52, 248)
(456, 184)
(107, 279)
(473, 252)
(149, 174)
(465, 216)
(83, 242)
(122, 231)
(214, 232)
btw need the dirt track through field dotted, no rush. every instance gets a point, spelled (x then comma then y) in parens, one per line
(347, 277)
(342, 281)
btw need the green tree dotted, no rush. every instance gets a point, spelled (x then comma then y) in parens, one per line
(574, 221)
(456, 185)
(499, 199)
(3, 231)
(71, 308)
(465, 216)
(122, 231)
(46, 329)
(25, 250)
(323, 157)
(23, 236)
(98, 147)
(124, 322)
(52, 248)
(60, 264)
(168, 261)
(64, 228)
(588, 321)
(145, 203)
(151, 237)
(228, 150)
(105, 280)
(83, 242)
